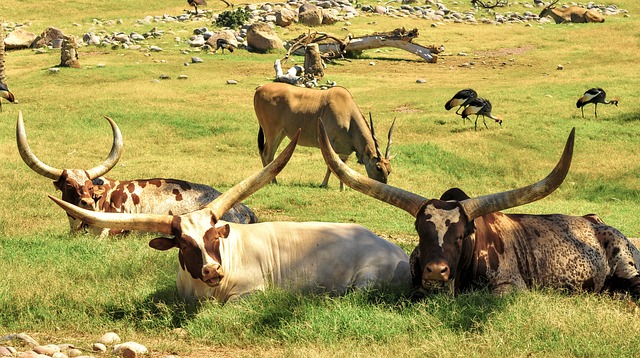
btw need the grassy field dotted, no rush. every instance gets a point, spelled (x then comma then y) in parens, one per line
(59, 288)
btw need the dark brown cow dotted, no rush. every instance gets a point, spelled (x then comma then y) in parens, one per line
(466, 242)
(89, 190)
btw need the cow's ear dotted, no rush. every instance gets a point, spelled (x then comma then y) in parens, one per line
(163, 243)
(223, 231)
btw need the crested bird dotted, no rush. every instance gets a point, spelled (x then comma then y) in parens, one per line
(480, 107)
(595, 96)
(6, 94)
(461, 99)
(223, 44)
(196, 3)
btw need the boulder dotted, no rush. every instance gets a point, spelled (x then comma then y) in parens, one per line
(329, 16)
(262, 38)
(310, 15)
(228, 35)
(19, 39)
(285, 17)
(46, 37)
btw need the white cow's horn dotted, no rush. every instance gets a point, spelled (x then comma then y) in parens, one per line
(251, 184)
(400, 198)
(54, 173)
(476, 207)
(119, 221)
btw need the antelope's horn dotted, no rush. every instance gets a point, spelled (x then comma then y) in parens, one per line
(389, 141)
(476, 207)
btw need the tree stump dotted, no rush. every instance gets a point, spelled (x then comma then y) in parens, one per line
(313, 62)
(69, 53)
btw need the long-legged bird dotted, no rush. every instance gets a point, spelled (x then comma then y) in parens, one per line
(6, 94)
(461, 99)
(595, 96)
(480, 107)
(196, 3)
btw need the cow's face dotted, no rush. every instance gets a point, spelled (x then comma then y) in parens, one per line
(442, 227)
(198, 242)
(76, 188)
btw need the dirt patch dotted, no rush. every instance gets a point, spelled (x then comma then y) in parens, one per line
(405, 108)
(505, 51)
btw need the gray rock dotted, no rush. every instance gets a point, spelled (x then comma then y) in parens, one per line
(196, 59)
(421, 80)
(232, 82)
(183, 77)
(155, 49)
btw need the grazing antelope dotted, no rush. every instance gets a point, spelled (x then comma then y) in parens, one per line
(571, 14)
(196, 3)
(461, 99)
(595, 96)
(282, 108)
(480, 107)
(467, 243)
(6, 94)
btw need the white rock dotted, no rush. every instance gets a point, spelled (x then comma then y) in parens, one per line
(133, 346)
(99, 347)
(109, 338)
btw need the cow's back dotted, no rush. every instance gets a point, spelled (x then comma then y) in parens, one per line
(307, 257)
(165, 197)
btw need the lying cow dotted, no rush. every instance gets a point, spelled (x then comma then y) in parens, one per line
(282, 109)
(89, 190)
(225, 261)
(466, 242)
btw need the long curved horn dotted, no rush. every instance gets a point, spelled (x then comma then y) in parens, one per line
(400, 198)
(29, 158)
(54, 173)
(373, 135)
(476, 207)
(120, 221)
(388, 151)
(114, 155)
(250, 185)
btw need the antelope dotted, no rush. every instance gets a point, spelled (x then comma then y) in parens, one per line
(571, 14)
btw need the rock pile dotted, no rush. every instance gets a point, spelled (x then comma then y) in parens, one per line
(32, 349)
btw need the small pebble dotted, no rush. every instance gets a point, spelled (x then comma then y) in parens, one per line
(232, 82)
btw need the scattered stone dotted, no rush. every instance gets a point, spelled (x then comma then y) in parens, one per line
(99, 347)
(372, 63)
(560, 67)
(232, 82)
(310, 15)
(59, 355)
(421, 80)
(47, 37)
(47, 350)
(155, 49)
(101, 65)
(54, 70)
(18, 39)
(5, 352)
(462, 54)
(128, 348)
(285, 17)
(75, 352)
(183, 77)
(165, 77)
(196, 59)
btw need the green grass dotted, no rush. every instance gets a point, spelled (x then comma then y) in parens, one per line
(61, 288)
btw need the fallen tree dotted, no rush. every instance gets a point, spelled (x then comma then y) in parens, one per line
(332, 47)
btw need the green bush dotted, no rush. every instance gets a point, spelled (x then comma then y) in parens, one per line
(232, 19)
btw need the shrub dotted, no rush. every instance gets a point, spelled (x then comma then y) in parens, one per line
(232, 19)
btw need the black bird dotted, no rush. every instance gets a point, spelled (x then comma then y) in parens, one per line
(462, 98)
(223, 44)
(480, 107)
(6, 94)
(595, 96)
(196, 3)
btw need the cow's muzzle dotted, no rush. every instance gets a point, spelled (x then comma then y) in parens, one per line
(212, 274)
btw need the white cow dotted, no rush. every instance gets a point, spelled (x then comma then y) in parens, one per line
(225, 261)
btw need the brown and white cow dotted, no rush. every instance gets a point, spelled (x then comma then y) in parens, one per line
(466, 242)
(89, 190)
(225, 261)
(282, 109)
